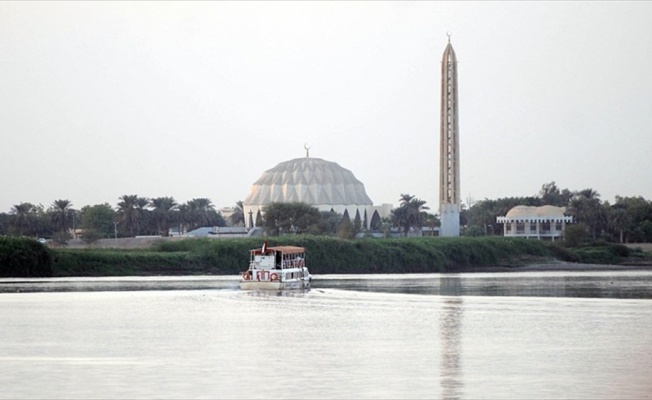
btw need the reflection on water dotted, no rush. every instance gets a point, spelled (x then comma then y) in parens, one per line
(451, 336)
(132, 283)
(602, 284)
(450, 331)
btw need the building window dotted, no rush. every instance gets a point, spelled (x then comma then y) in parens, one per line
(533, 227)
(520, 228)
(545, 227)
(558, 226)
(508, 227)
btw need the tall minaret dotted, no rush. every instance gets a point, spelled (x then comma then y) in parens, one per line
(449, 163)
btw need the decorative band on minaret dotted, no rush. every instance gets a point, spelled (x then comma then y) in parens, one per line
(449, 162)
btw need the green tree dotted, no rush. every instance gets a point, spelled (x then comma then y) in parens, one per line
(551, 195)
(483, 215)
(346, 229)
(646, 228)
(285, 218)
(588, 210)
(4, 224)
(474, 230)
(145, 221)
(237, 218)
(400, 218)
(128, 214)
(619, 220)
(328, 223)
(183, 218)
(98, 218)
(411, 213)
(163, 213)
(432, 221)
(91, 236)
(62, 216)
(639, 215)
(22, 220)
(575, 235)
(200, 212)
(418, 212)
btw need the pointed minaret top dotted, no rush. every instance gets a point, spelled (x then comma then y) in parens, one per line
(449, 36)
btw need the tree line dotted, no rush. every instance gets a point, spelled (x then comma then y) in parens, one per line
(134, 215)
(629, 219)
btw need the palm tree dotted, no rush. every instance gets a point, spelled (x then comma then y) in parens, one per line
(401, 219)
(162, 213)
(128, 215)
(143, 213)
(432, 221)
(410, 213)
(405, 199)
(21, 218)
(619, 219)
(417, 211)
(238, 217)
(61, 215)
(587, 209)
(200, 212)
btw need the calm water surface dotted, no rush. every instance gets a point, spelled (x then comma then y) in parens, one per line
(500, 335)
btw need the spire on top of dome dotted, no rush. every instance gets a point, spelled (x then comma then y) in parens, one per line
(305, 146)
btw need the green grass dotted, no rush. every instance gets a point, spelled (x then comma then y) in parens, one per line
(325, 255)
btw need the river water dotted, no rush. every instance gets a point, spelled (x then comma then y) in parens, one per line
(522, 335)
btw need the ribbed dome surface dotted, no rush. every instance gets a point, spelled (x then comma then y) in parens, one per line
(308, 180)
(533, 212)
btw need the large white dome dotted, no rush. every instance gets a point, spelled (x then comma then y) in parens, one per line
(308, 180)
(320, 183)
(530, 213)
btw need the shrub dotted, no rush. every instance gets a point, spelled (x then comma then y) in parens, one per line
(24, 257)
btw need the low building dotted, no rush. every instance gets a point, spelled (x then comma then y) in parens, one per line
(542, 223)
(220, 232)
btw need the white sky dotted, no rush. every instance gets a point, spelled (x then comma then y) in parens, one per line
(197, 99)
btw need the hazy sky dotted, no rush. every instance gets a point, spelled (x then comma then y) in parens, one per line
(197, 99)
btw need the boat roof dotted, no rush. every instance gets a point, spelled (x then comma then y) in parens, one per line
(283, 249)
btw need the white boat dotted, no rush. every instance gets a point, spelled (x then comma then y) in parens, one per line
(276, 268)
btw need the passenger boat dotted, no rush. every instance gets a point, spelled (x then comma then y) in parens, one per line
(276, 268)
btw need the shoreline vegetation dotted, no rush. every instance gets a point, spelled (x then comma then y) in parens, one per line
(23, 257)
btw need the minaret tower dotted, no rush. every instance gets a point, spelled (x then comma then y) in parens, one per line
(449, 162)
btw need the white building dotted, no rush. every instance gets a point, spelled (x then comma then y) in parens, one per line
(322, 184)
(543, 223)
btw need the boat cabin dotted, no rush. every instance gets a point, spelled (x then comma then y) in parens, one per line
(279, 257)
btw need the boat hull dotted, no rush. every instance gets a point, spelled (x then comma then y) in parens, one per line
(297, 284)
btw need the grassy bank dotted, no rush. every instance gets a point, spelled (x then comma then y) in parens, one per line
(325, 255)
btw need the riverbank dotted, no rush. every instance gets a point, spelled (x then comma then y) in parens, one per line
(328, 255)
(325, 255)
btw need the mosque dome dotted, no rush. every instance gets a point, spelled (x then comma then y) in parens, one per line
(320, 183)
(535, 213)
(308, 180)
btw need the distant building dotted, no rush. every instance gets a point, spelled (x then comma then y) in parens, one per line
(322, 184)
(227, 212)
(542, 223)
(219, 232)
